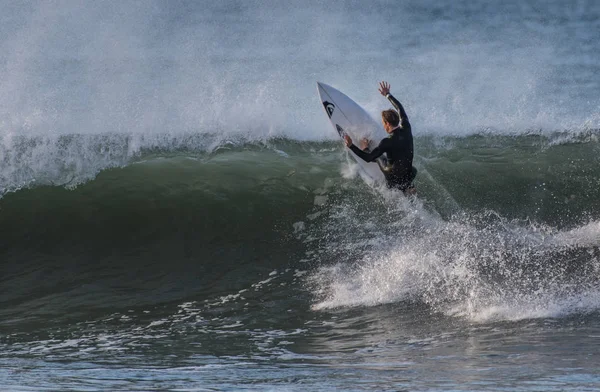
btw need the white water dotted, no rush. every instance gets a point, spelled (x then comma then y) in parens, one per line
(388, 249)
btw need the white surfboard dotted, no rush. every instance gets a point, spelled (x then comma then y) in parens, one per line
(348, 117)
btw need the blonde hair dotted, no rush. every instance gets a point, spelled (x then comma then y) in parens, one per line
(391, 117)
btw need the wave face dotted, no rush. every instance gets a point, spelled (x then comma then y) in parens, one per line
(501, 222)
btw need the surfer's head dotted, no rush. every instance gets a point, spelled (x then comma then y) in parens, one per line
(390, 120)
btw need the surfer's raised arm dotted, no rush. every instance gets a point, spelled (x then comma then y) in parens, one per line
(394, 154)
(384, 89)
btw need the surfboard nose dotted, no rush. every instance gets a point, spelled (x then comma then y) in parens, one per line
(323, 86)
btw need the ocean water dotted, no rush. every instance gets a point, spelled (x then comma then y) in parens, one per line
(176, 212)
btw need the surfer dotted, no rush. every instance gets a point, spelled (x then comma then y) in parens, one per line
(398, 147)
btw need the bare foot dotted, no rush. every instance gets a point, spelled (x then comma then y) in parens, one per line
(411, 191)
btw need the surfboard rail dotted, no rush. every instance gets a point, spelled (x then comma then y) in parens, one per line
(348, 117)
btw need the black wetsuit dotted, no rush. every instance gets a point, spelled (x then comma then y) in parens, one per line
(398, 147)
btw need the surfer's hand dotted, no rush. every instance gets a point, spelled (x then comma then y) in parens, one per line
(364, 143)
(348, 140)
(384, 88)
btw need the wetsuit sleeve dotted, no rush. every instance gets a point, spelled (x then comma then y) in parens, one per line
(404, 123)
(370, 156)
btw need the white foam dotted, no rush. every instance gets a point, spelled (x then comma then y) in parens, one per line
(585, 236)
(525, 307)
(481, 269)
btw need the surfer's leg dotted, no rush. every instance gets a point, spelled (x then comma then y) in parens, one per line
(405, 186)
(408, 187)
(413, 174)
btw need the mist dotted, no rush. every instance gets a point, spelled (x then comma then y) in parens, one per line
(127, 76)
